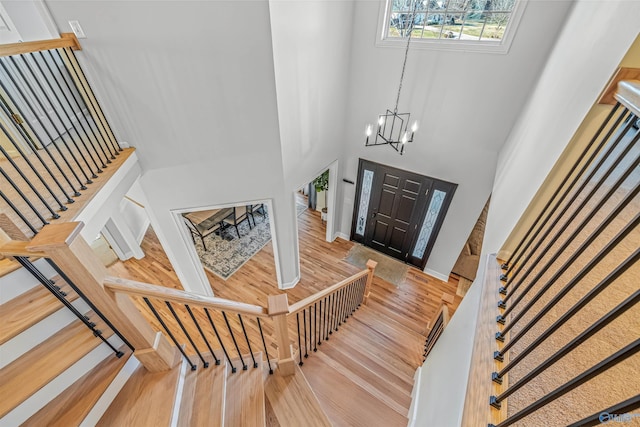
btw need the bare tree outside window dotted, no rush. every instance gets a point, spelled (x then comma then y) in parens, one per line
(482, 20)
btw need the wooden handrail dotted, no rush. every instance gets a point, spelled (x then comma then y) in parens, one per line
(65, 40)
(302, 304)
(18, 248)
(131, 287)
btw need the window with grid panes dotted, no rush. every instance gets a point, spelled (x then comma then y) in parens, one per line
(483, 23)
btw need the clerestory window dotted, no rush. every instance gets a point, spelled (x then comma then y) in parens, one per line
(451, 24)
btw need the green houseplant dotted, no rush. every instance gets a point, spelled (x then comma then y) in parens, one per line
(321, 183)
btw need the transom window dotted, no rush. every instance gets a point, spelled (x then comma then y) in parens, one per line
(452, 22)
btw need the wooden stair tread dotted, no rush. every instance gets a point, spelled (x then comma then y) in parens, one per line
(27, 374)
(72, 406)
(244, 400)
(206, 406)
(294, 402)
(348, 360)
(344, 402)
(147, 399)
(27, 309)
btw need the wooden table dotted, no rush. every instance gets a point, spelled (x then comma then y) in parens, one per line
(212, 216)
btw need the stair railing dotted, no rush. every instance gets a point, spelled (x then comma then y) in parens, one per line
(572, 277)
(436, 327)
(320, 315)
(66, 250)
(227, 329)
(59, 140)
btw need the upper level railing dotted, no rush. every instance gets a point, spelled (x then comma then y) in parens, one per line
(566, 332)
(55, 140)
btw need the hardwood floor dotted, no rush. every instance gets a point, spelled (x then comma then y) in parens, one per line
(372, 358)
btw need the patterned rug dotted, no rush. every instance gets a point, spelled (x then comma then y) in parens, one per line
(226, 254)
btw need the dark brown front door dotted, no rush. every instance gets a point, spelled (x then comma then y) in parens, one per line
(399, 212)
(394, 206)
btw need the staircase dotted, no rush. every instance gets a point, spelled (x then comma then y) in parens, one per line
(361, 375)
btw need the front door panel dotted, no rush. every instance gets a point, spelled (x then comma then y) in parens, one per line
(391, 209)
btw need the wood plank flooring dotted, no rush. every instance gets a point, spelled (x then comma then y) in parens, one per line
(371, 360)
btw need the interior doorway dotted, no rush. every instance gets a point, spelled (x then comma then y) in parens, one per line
(399, 212)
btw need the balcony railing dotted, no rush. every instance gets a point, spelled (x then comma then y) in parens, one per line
(567, 338)
(55, 139)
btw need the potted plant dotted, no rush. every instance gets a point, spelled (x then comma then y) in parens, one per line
(321, 183)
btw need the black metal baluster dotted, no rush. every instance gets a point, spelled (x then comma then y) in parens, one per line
(195, 322)
(574, 343)
(28, 138)
(25, 99)
(299, 341)
(66, 113)
(96, 106)
(246, 337)
(233, 337)
(340, 304)
(17, 211)
(621, 408)
(95, 309)
(54, 215)
(31, 166)
(53, 123)
(95, 125)
(168, 331)
(508, 264)
(574, 256)
(264, 344)
(326, 318)
(23, 196)
(587, 218)
(331, 312)
(60, 296)
(80, 108)
(611, 361)
(574, 197)
(611, 277)
(314, 333)
(224, 349)
(186, 334)
(22, 132)
(304, 318)
(320, 324)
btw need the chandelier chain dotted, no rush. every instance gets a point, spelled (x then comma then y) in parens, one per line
(406, 53)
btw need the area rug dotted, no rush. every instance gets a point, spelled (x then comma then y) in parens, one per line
(389, 269)
(226, 254)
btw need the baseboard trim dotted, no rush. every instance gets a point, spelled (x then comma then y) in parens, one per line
(342, 236)
(437, 275)
(291, 284)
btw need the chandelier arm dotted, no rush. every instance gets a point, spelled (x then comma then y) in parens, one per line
(406, 53)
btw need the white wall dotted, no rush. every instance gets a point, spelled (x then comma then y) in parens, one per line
(593, 41)
(466, 104)
(311, 53)
(191, 85)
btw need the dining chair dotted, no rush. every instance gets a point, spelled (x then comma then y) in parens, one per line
(252, 210)
(200, 231)
(240, 213)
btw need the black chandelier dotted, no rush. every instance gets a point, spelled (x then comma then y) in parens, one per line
(393, 127)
